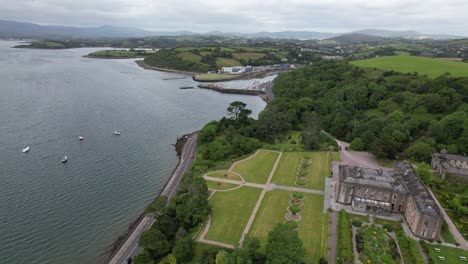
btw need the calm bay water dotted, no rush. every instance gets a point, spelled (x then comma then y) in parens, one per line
(72, 213)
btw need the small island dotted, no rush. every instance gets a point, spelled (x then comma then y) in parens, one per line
(121, 53)
(43, 45)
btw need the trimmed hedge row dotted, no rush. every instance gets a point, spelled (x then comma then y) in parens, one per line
(409, 248)
(344, 253)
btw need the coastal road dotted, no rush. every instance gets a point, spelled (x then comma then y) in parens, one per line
(130, 248)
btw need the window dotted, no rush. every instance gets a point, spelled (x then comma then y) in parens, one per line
(426, 223)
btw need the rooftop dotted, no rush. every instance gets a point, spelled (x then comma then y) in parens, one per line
(417, 190)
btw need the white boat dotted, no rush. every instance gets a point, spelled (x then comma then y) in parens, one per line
(64, 159)
(26, 149)
(81, 138)
(116, 133)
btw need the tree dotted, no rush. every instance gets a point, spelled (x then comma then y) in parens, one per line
(358, 144)
(208, 132)
(222, 257)
(155, 242)
(311, 135)
(156, 205)
(183, 249)
(419, 151)
(238, 111)
(143, 258)
(284, 246)
(169, 259)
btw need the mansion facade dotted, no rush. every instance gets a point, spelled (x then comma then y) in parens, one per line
(381, 192)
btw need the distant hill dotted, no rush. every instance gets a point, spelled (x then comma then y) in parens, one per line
(14, 29)
(357, 37)
(405, 34)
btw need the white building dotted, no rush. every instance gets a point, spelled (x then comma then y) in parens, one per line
(233, 70)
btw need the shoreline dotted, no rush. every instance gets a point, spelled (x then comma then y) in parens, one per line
(145, 66)
(180, 147)
(111, 57)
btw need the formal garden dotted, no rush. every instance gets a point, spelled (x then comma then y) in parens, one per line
(230, 212)
(305, 169)
(302, 211)
(376, 246)
(233, 204)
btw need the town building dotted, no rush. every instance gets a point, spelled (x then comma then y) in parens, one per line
(455, 165)
(233, 70)
(381, 192)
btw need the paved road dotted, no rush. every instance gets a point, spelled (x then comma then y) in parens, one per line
(130, 247)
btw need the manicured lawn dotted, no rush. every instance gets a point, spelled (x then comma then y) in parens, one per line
(380, 221)
(452, 255)
(362, 218)
(220, 185)
(230, 212)
(410, 64)
(224, 175)
(313, 228)
(257, 168)
(248, 55)
(226, 62)
(446, 235)
(320, 168)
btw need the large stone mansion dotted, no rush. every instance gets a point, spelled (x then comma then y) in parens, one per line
(382, 192)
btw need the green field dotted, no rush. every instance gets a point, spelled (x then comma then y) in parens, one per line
(189, 56)
(410, 64)
(452, 255)
(225, 175)
(313, 228)
(226, 62)
(215, 76)
(285, 173)
(220, 185)
(230, 212)
(257, 168)
(248, 55)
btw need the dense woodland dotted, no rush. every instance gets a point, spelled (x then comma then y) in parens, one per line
(391, 114)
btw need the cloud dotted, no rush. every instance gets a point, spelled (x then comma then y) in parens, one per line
(429, 16)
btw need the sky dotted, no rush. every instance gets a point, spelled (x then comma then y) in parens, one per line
(427, 16)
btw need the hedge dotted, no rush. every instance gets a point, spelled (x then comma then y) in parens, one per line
(344, 253)
(409, 248)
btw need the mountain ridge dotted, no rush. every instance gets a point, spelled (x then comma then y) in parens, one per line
(15, 29)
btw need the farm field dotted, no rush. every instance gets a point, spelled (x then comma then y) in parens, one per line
(256, 168)
(248, 55)
(230, 212)
(452, 255)
(285, 174)
(410, 64)
(226, 62)
(189, 56)
(313, 227)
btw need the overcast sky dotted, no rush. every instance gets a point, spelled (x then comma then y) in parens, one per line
(427, 16)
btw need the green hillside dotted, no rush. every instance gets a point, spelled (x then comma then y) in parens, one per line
(203, 59)
(410, 64)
